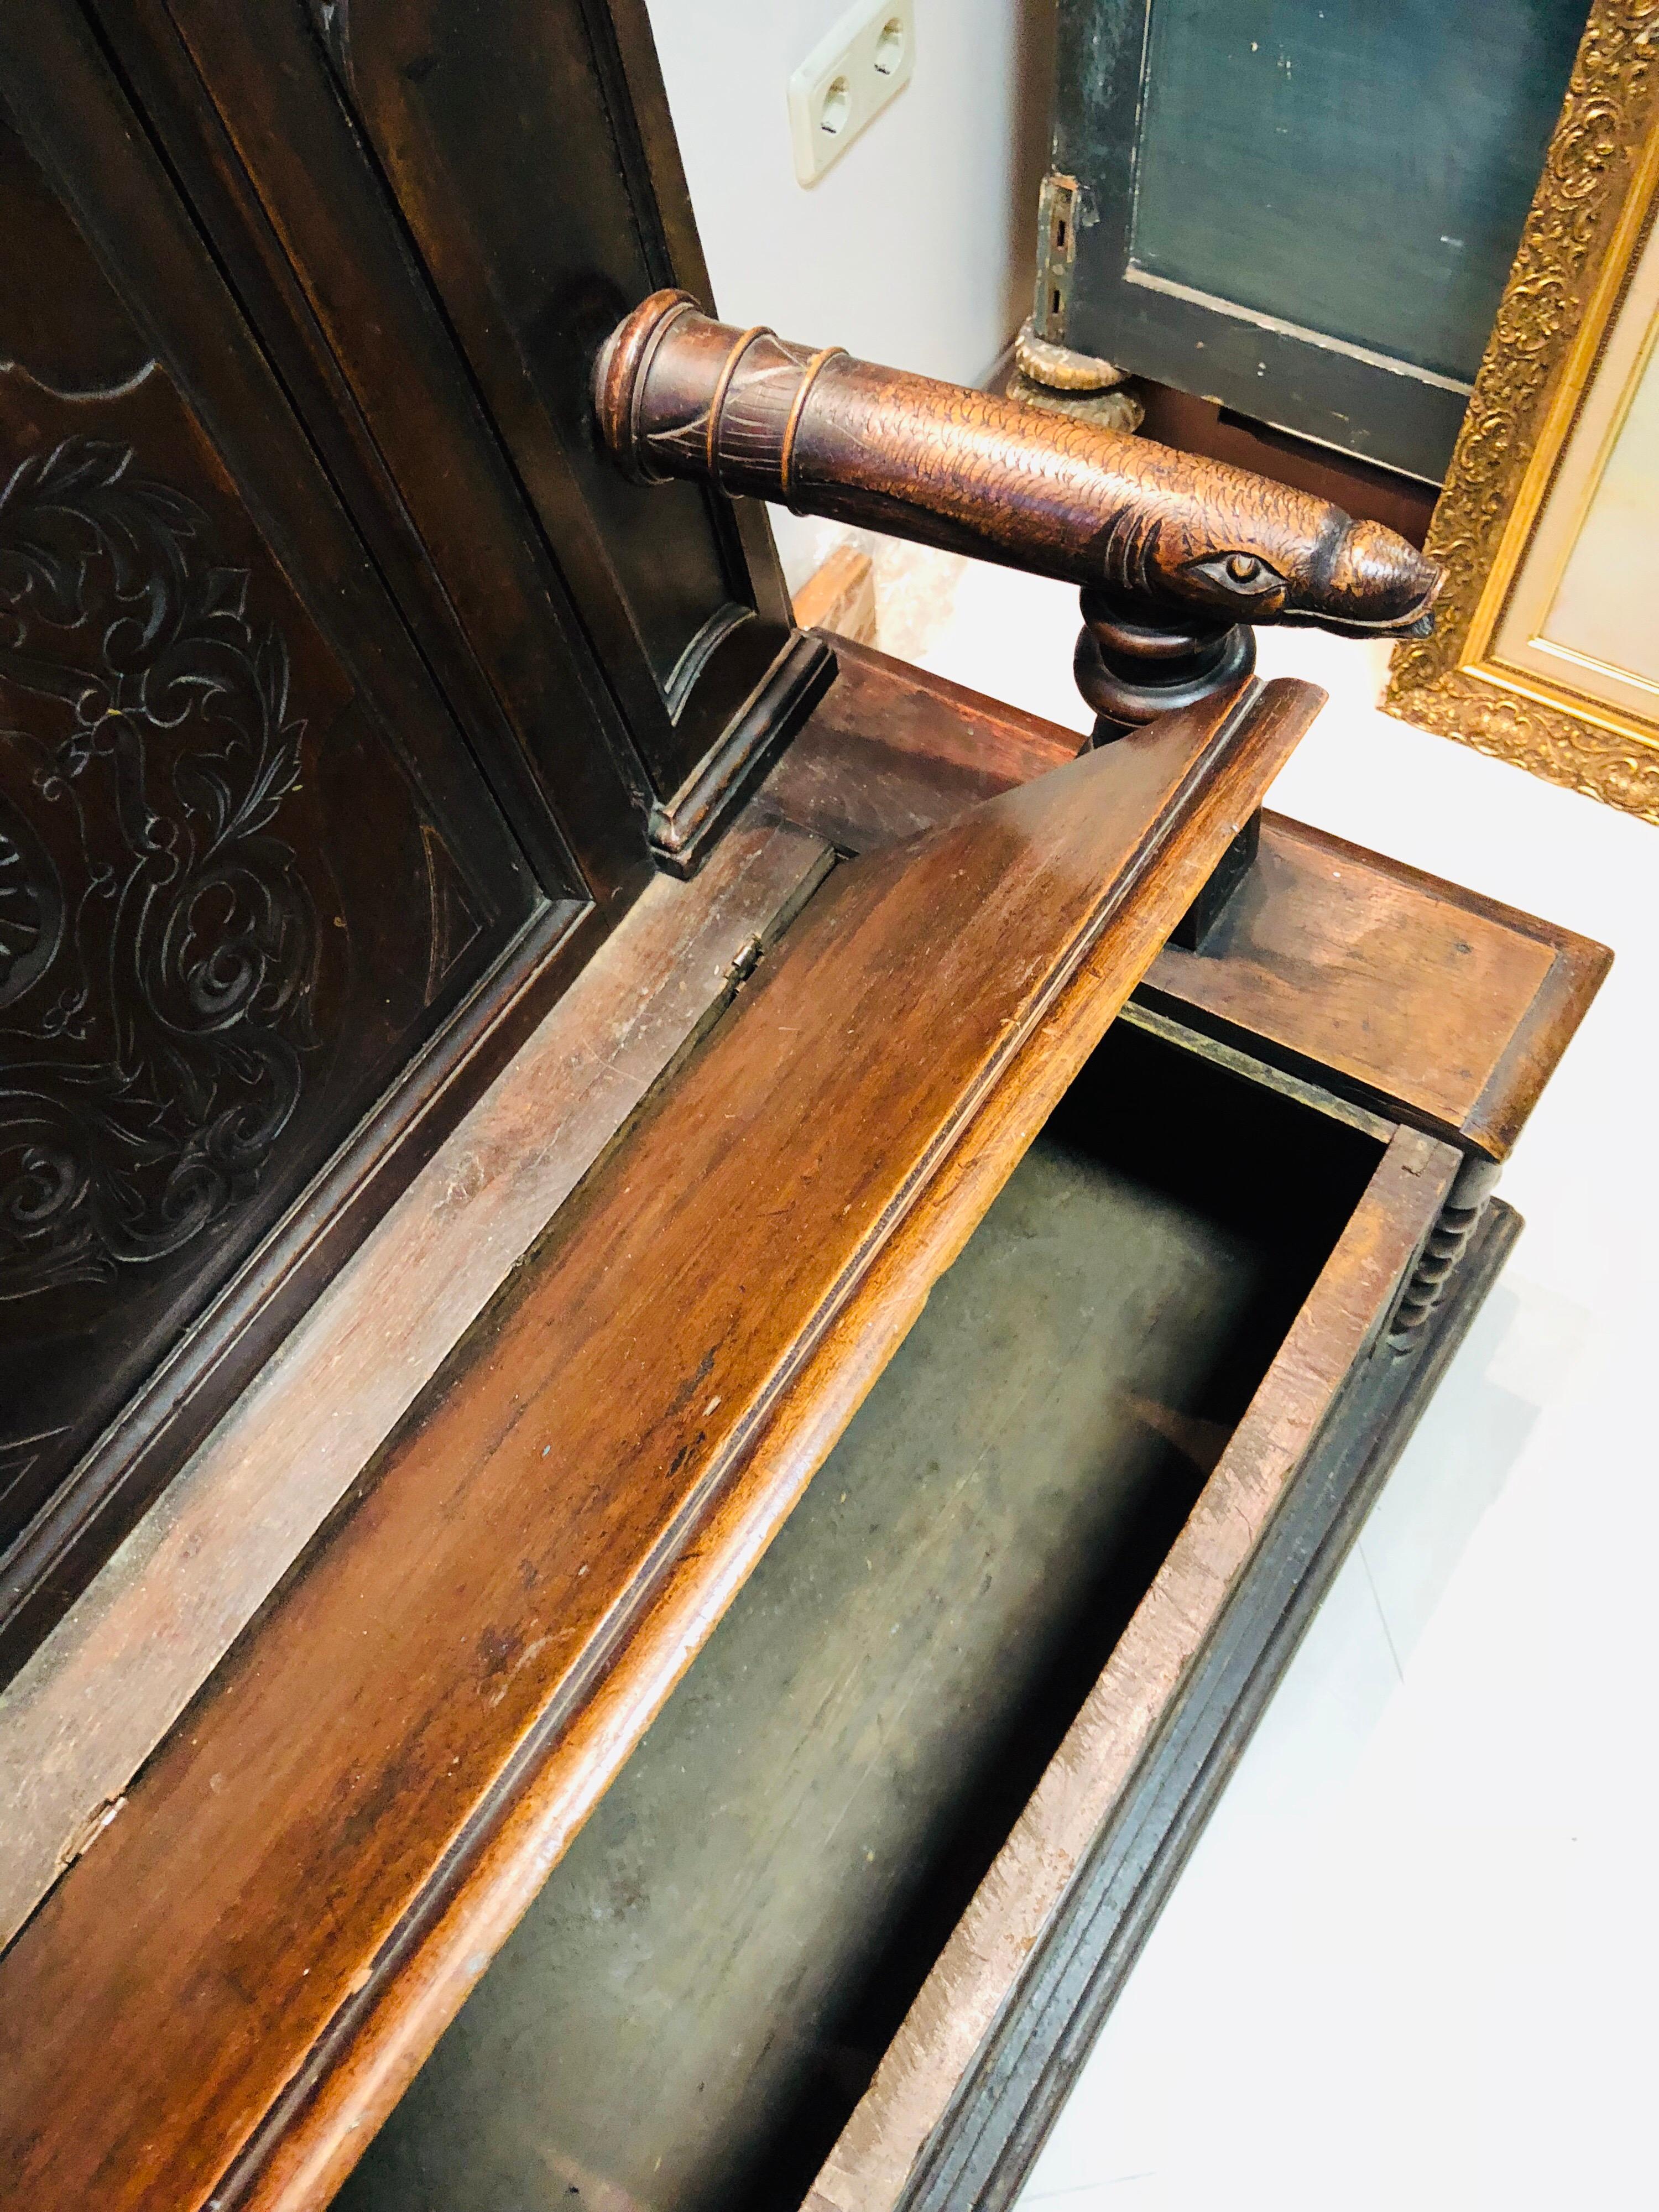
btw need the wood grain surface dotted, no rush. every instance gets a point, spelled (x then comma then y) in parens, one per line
(840, 596)
(230, 1989)
(687, 2014)
(93, 1702)
(678, 395)
(893, 750)
(1441, 1008)
(1447, 1008)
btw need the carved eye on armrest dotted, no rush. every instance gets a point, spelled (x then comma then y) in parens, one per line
(1168, 546)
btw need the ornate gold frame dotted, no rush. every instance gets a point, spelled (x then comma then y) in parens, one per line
(1595, 201)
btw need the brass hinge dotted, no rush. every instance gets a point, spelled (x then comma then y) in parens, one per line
(1056, 256)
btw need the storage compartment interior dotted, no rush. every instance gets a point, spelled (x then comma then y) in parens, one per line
(689, 2012)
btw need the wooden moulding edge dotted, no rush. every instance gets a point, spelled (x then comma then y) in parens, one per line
(84, 1713)
(910, 2121)
(682, 830)
(1493, 1121)
(320, 2125)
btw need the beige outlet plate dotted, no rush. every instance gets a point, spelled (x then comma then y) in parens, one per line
(849, 76)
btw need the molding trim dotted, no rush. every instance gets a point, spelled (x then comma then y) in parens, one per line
(105, 1687)
(684, 829)
(983, 2148)
(1575, 254)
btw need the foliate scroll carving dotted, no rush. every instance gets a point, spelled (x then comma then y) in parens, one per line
(31, 905)
(1603, 764)
(1587, 174)
(158, 944)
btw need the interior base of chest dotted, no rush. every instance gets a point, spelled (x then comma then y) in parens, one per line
(700, 1996)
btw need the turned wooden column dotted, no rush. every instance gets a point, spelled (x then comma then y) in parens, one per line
(1178, 557)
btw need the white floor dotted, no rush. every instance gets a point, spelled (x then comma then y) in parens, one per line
(1413, 1963)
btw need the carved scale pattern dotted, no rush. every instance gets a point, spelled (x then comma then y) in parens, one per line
(1608, 111)
(158, 944)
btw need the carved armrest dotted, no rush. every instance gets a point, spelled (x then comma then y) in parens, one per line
(1175, 554)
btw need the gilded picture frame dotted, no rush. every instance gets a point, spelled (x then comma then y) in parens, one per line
(1575, 336)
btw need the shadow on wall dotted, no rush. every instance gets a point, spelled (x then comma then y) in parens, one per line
(1524, 1344)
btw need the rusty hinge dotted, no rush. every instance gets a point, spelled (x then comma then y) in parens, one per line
(1057, 208)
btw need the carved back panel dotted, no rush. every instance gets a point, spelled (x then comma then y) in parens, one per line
(449, 207)
(253, 887)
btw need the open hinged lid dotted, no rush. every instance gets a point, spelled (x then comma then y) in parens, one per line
(421, 1716)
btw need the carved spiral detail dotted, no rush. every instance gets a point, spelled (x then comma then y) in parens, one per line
(1443, 1250)
(158, 943)
(31, 905)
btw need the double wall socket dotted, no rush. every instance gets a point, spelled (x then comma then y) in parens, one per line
(847, 79)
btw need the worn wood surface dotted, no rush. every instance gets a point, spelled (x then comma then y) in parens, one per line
(1018, 2081)
(1414, 994)
(265, 1945)
(96, 1698)
(981, 1961)
(680, 396)
(892, 750)
(688, 2011)
(436, 216)
(1443, 1008)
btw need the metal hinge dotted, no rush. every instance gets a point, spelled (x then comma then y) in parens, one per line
(1057, 208)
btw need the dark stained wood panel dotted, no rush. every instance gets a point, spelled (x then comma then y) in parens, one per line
(243, 102)
(1412, 137)
(248, 871)
(1305, 210)
(511, 139)
(581, 1496)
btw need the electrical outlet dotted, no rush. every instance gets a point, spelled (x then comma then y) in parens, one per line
(847, 79)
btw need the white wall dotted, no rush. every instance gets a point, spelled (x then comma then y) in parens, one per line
(917, 248)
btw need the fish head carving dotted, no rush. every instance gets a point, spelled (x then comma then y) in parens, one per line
(1236, 545)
